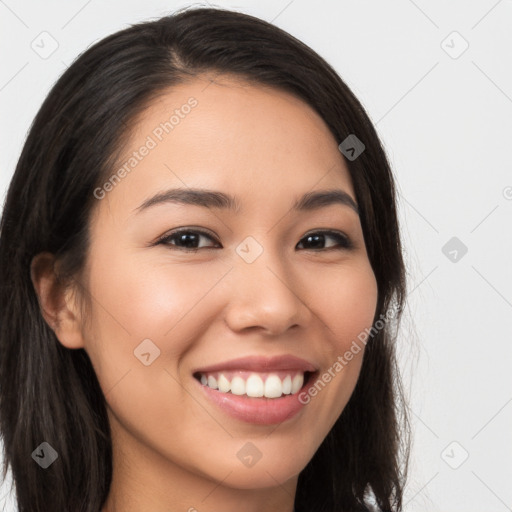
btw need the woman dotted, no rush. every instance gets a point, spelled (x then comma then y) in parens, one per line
(201, 272)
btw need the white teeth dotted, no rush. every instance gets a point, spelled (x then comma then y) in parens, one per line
(223, 384)
(297, 382)
(254, 386)
(287, 385)
(237, 386)
(273, 387)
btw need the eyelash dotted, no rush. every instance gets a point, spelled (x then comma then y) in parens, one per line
(344, 242)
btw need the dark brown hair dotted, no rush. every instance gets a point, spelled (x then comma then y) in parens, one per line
(51, 393)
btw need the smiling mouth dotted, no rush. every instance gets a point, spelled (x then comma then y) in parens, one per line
(252, 384)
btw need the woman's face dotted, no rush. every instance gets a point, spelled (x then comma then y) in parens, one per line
(258, 280)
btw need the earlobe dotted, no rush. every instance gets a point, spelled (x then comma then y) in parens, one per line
(56, 301)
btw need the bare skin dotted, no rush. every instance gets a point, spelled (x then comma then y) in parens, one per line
(174, 449)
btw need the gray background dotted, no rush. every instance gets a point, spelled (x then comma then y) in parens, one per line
(444, 114)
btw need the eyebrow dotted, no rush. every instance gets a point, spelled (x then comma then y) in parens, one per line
(214, 199)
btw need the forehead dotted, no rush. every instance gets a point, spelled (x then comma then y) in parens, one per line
(252, 141)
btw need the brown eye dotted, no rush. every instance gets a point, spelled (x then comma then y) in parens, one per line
(317, 240)
(186, 239)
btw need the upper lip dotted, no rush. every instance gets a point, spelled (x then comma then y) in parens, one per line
(261, 364)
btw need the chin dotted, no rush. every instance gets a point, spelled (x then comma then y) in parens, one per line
(264, 473)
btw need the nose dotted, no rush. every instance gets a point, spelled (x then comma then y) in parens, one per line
(264, 295)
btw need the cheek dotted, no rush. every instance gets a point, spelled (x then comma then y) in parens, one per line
(134, 301)
(142, 300)
(345, 299)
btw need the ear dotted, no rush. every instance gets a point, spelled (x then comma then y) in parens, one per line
(56, 301)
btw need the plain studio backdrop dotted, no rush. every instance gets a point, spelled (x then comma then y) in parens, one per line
(435, 78)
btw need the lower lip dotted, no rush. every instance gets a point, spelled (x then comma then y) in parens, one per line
(259, 411)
